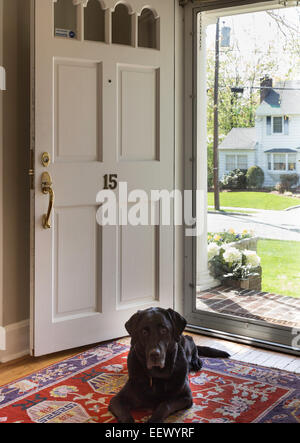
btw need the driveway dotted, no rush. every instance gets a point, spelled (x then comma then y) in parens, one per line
(278, 225)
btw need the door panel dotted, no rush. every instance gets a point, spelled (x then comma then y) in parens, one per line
(138, 113)
(77, 107)
(80, 259)
(139, 264)
(100, 108)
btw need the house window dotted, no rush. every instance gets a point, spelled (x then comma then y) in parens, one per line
(279, 162)
(148, 30)
(121, 25)
(282, 162)
(65, 19)
(277, 125)
(94, 22)
(242, 162)
(291, 162)
(236, 162)
(230, 162)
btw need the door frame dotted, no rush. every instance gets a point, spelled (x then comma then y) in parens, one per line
(241, 330)
(32, 172)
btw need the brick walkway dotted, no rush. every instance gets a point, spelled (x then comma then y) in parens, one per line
(271, 308)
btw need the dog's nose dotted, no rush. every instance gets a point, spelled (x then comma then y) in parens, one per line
(155, 354)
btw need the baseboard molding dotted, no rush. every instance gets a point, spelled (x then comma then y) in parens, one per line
(14, 341)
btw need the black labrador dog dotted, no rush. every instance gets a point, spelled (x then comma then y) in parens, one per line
(159, 362)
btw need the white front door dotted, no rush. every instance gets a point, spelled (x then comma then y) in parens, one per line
(104, 104)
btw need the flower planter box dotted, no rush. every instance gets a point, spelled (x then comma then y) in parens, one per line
(246, 243)
(254, 282)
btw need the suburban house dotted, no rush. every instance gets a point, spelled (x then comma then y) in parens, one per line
(274, 143)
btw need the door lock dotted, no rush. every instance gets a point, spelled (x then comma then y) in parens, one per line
(45, 159)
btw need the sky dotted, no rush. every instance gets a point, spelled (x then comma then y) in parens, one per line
(258, 30)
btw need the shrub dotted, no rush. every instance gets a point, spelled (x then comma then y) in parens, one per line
(280, 188)
(287, 181)
(255, 177)
(235, 179)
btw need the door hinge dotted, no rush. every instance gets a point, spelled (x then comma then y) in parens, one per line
(31, 171)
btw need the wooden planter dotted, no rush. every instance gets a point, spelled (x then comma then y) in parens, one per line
(253, 282)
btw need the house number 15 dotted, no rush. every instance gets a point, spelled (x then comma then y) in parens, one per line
(110, 181)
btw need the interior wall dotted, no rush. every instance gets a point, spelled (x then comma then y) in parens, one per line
(1, 175)
(15, 162)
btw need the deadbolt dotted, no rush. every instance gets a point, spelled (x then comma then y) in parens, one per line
(45, 159)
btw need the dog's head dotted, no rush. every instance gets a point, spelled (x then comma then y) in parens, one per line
(154, 333)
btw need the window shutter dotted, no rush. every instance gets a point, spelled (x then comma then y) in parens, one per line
(269, 123)
(286, 125)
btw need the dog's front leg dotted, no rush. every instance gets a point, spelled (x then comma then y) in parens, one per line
(169, 407)
(119, 407)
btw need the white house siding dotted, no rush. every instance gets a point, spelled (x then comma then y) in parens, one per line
(283, 100)
(276, 141)
(292, 140)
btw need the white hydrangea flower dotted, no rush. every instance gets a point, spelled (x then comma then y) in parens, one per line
(232, 255)
(252, 259)
(213, 250)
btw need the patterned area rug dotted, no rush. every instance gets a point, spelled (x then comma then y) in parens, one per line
(79, 389)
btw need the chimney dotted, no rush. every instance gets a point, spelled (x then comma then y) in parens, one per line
(266, 83)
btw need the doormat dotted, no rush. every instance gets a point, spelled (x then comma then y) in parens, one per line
(78, 390)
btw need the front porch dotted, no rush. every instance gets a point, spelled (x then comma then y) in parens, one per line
(265, 307)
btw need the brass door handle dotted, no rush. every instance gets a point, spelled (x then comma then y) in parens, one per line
(47, 189)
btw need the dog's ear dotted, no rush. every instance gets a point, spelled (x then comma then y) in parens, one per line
(179, 323)
(130, 325)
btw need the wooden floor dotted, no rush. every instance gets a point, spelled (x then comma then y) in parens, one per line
(249, 354)
(27, 365)
(20, 368)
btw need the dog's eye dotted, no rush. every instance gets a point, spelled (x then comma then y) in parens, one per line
(145, 332)
(163, 330)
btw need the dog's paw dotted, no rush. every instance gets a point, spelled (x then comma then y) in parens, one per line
(126, 420)
(196, 365)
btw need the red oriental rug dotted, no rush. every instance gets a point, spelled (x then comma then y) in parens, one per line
(79, 389)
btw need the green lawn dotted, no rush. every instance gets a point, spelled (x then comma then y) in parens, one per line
(280, 261)
(254, 200)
